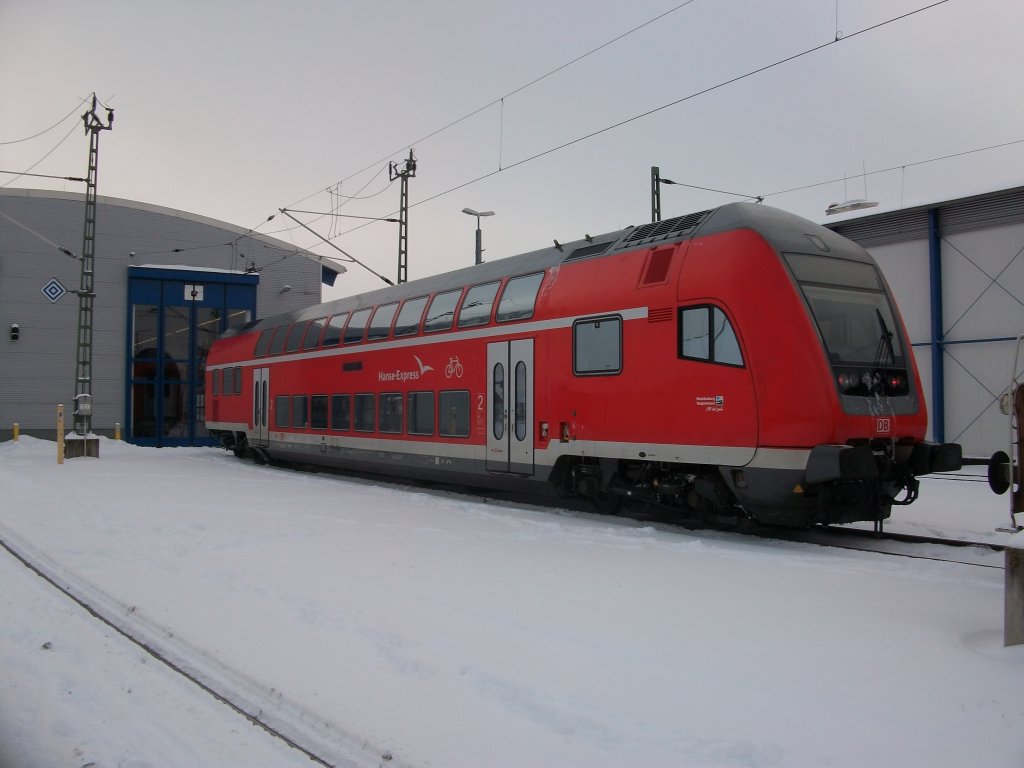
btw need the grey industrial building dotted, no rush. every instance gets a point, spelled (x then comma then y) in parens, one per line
(167, 282)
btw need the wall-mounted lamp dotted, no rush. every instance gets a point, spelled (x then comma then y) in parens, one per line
(15, 331)
(285, 289)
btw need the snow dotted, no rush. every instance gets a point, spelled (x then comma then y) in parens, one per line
(376, 625)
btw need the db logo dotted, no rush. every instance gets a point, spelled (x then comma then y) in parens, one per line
(883, 426)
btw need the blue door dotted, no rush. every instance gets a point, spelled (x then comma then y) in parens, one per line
(173, 318)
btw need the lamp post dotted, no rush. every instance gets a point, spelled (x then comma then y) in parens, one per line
(479, 238)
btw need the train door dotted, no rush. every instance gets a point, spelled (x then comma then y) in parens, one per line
(510, 406)
(260, 405)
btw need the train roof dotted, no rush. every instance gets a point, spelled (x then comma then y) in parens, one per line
(783, 230)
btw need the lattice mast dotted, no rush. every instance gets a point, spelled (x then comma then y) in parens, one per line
(403, 216)
(83, 370)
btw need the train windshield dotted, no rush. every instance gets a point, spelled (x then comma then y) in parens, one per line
(852, 310)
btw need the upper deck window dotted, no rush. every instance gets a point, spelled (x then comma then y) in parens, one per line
(332, 334)
(519, 297)
(312, 338)
(380, 326)
(295, 336)
(441, 312)
(263, 343)
(357, 325)
(476, 309)
(277, 345)
(408, 321)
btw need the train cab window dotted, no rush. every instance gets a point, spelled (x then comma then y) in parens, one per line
(312, 338)
(277, 345)
(332, 334)
(597, 346)
(357, 326)
(380, 326)
(705, 333)
(263, 343)
(238, 381)
(300, 412)
(421, 413)
(391, 413)
(318, 412)
(476, 309)
(295, 336)
(519, 297)
(341, 412)
(453, 414)
(408, 321)
(282, 411)
(364, 413)
(441, 313)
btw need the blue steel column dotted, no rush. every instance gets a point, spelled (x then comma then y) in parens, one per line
(938, 370)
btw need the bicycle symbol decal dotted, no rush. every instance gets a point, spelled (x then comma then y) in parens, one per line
(454, 368)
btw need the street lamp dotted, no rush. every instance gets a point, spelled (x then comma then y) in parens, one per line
(479, 240)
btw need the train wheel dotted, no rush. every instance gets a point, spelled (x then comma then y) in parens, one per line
(606, 503)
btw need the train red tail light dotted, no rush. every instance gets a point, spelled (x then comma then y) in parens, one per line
(846, 381)
(897, 383)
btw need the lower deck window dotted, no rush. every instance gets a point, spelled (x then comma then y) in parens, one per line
(453, 414)
(597, 346)
(421, 413)
(318, 412)
(341, 412)
(391, 413)
(364, 417)
(282, 411)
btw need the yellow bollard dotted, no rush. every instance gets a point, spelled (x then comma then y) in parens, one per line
(16, 430)
(60, 433)
(117, 430)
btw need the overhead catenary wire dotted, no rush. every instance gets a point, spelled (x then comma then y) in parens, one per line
(47, 130)
(674, 102)
(26, 171)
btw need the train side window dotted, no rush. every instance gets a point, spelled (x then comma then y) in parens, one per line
(421, 413)
(519, 297)
(238, 380)
(318, 412)
(408, 321)
(364, 413)
(597, 346)
(312, 338)
(228, 383)
(332, 334)
(705, 333)
(277, 345)
(391, 413)
(476, 309)
(357, 326)
(380, 326)
(263, 342)
(441, 313)
(341, 412)
(300, 412)
(215, 385)
(453, 414)
(282, 411)
(295, 336)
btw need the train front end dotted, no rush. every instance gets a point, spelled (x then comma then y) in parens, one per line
(863, 447)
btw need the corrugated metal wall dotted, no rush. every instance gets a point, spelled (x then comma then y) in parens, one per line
(38, 370)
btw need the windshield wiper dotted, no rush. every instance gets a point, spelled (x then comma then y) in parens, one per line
(885, 342)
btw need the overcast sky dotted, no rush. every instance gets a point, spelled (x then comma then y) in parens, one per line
(233, 110)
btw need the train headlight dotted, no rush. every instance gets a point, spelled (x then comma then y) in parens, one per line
(897, 383)
(846, 381)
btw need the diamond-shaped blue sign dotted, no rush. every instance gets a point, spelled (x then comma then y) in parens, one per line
(53, 290)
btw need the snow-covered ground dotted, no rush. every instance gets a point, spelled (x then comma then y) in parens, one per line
(382, 626)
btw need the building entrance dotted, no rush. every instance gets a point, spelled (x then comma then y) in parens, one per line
(173, 317)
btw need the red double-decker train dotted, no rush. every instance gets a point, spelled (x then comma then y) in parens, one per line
(740, 362)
